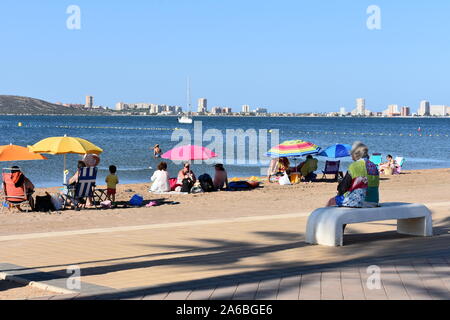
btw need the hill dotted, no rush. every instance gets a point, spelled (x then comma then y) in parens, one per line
(25, 105)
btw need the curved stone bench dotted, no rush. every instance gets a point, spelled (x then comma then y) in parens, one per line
(325, 225)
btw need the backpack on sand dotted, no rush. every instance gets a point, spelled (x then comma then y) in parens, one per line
(206, 183)
(44, 204)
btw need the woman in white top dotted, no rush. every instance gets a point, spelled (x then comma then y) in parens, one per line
(160, 179)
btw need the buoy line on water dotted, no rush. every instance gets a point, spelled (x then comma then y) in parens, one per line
(21, 125)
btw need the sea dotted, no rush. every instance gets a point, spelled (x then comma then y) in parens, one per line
(127, 141)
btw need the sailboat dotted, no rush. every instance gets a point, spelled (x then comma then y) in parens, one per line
(187, 119)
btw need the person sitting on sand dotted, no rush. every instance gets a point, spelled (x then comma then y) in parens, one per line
(20, 180)
(389, 165)
(160, 179)
(220, 177)
(186, 173)
(278, 167)
(308, 167)
(359, 188)
(157, 152)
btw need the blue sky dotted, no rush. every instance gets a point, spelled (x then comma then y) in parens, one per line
(293, 55)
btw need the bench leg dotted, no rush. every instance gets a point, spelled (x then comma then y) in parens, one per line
(326, 234)
(416, 227)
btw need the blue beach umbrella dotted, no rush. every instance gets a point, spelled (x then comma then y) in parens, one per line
(337, 151)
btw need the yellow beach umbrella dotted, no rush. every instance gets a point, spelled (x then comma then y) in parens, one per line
(65, 145)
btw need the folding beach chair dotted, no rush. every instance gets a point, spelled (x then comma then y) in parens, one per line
(14, 196)
(376, 158)
(400, 161)
(79, 193)
(331, 167)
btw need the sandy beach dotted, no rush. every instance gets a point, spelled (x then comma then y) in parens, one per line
(206, 236)
(424, 186)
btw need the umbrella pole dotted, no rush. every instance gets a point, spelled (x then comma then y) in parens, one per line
(64, 172)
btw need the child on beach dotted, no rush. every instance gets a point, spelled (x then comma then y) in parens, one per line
(112, 180)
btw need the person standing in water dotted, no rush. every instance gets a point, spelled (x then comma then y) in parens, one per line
(157, 152)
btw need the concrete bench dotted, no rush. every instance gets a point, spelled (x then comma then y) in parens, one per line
(325, 225)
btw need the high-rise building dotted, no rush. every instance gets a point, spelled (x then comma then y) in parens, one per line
(216, 110)
(121, 106)
(361, 107)
(245, 108)
(178, 109)
(406, 111)
(89, 102)
(202, 105)
(227, 110)
(393, 109)
(424, 109)
(438, 110)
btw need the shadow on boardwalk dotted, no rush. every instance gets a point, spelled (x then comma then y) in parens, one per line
(382, 249)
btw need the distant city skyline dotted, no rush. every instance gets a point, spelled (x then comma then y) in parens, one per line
(425, 108)
(293, 57)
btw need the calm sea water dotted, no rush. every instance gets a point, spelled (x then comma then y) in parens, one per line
(127, 141)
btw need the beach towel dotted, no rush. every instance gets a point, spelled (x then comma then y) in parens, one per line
(171, 193)
(239, 186)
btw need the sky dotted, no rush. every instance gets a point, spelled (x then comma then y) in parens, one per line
(287, 55)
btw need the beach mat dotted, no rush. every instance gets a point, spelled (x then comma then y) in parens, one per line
(170, 193)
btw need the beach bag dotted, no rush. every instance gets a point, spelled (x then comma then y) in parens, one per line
(57, 202)
(44, 203)
(206, 183)
(187, 185)
(136, 200)
(284, 180)
(196, 189)
(106, 204)
(295, 178)
(356, 196)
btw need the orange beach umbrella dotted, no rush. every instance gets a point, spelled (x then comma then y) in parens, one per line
(18, 153)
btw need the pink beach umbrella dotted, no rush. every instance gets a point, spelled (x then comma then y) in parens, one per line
(189, 152)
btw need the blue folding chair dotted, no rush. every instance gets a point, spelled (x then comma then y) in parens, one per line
(332, 167)
(377, 159)
(84, 189)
